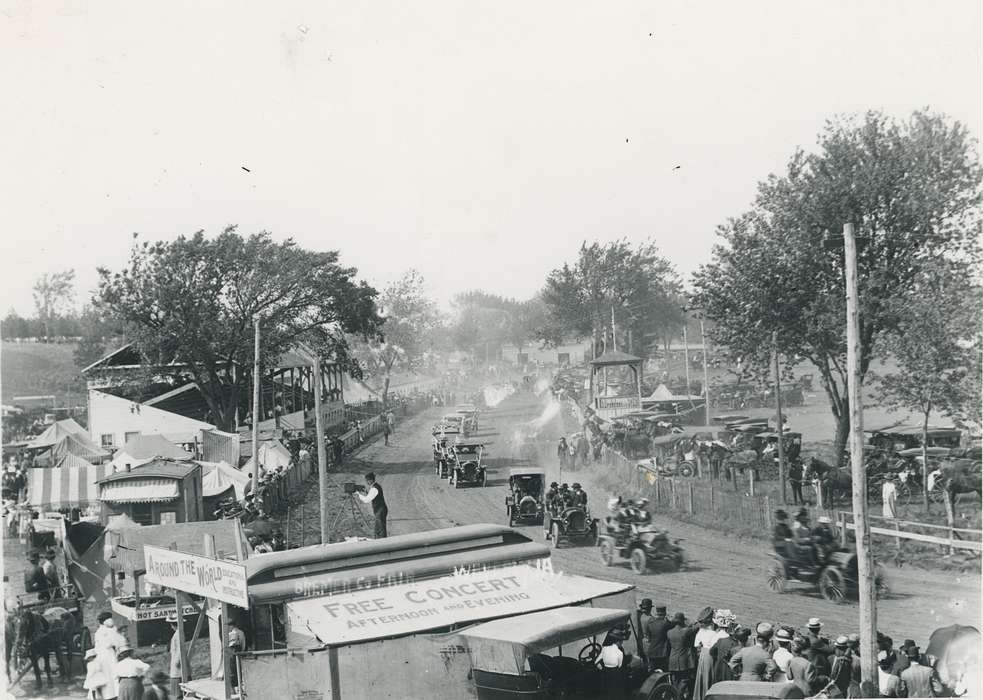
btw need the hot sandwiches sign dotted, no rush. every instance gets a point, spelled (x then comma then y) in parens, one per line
(191, 573)
(426, 605)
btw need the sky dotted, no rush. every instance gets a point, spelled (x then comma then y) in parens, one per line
(479, 142)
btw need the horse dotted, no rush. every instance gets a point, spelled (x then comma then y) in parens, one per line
(32, 637)
(829, 480)
(958, 477)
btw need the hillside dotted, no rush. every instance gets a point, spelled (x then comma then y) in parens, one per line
(30, 369)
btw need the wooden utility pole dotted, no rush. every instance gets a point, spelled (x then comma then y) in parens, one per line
(686, 355)
(781, 422)
(706, 373)
(322, 452)
(256, 385)
(614, 332)
(865, 562)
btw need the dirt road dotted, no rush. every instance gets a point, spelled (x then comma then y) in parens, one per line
(721, 571)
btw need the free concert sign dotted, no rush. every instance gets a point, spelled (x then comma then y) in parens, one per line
(413, 607)
(210, 578)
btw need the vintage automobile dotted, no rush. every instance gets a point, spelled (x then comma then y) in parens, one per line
(836, 576)
(465, 463)
(671, 457)
(524, 502)
(568, 522)
(456, 420)
(642, 543)
(443, 435)
(509, 658)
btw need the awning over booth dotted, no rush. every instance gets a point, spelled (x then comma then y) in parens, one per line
(141, 449)
(503, 645)
(74, 487)
(415, 607)
(55, 433)
(139, 491)
(219, 477)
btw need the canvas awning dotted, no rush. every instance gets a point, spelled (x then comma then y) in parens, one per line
(75, 487)
(71, 461)
(502, 646)
(272, 454)
(79, 445)
(139, 491)
(55, 433)
(426, 605)
(141, 449)
(219, 477)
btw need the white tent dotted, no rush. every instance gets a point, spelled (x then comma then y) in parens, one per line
(56, 432)
(218, 477)
(272, 454)
(141, 449)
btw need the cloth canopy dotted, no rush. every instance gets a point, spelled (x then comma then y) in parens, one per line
(437, 603)
(272, 454)
(55, 489)
(71, 461)
(139, 491)
(55, 433)
(218, 477)
(77, 444)
(503, 645)
(219, 446)
(141, 449)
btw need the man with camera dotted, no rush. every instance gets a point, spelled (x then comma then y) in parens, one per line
(372, 493)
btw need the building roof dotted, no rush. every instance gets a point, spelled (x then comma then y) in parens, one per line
(128, 356)
(56, 432)
(150, 446)
(155, 469)
(615, 357)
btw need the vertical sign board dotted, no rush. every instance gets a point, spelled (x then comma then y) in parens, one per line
(192, 573)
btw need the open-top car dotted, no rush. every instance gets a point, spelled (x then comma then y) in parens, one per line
(523, 657)
(642, 543)
(567, 519)
(524, 502)
(835, 573)
(466, 466)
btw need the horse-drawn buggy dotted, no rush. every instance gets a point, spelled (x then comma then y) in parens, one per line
(524, 502)
(631, 535)
(466, 468)
(45, 623)
(835, 573)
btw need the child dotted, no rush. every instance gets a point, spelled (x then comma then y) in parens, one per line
(95, 676)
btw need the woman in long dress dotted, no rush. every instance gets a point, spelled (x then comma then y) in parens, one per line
(107, 641)
(709, 634)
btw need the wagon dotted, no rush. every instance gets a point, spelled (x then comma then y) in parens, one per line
(524, 502)
(61, 607)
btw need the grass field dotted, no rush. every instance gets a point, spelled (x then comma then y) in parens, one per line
(31, 369)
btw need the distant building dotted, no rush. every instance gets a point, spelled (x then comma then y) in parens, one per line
(568, 353)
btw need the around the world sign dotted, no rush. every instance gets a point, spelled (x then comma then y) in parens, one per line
(191, 573)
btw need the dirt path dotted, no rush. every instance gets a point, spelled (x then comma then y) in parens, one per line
(722, 571)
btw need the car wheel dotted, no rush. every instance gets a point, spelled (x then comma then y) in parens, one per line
(656, 688)
(776, 577)
(555, 533)
(639, 560)
(686, 469)
(511, 518)
(607, 552)
(831, 585)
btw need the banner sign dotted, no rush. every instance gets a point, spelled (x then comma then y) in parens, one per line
(143, 614)
(426, 605)
(210, 578)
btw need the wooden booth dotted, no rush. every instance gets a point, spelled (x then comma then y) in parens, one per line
(161, 492)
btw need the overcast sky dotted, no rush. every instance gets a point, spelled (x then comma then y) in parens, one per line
(476, 141)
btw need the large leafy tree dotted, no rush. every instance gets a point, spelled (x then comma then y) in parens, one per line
(410, 321)
(911, 188)
(636, 284)
(936, 349)
(483, 322)
(53, 295)
(193, 300)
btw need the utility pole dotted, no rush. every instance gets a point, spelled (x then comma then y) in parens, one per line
(686, 354)
(865, 562)
(322, 452)
(706, 373)
(614, 332)
(781, 422)
(256, 383)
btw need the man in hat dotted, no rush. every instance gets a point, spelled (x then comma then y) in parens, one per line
(823, 539)
(800, 671)
(782, 654)
(841, 672)
(919, 677)
(579, 495)
(654, 645)
(130, 672)
(51, 571)
(817, 643)
(889, 685)
(372, 493)
(175, 649)
(902, 662)
(682, 655)
(782, 533)
(34, 579)
(755, 662)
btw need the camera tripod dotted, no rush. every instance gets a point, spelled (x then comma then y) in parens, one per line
(356, 513)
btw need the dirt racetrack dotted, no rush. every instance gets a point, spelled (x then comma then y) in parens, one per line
(721, 571)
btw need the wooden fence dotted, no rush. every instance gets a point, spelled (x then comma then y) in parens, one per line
(951, 537)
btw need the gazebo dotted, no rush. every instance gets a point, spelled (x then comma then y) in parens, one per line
(615, 399)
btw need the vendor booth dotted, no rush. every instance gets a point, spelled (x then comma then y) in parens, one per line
(161, 492)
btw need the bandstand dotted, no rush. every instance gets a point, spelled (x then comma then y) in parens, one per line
(615, 384)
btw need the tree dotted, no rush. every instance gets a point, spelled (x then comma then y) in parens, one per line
(484, 322)
(14, 326)
(53, 293)
(911, 188)
(935, 346)
(94, 331)
(636, 285)
(193, 300)
(410, 319)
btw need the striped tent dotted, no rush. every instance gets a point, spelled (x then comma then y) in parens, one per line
(53, 489)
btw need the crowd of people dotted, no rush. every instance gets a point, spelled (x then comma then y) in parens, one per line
(716, 647)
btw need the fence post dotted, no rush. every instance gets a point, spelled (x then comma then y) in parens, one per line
(303, 523)
(750, 476)
(711, 496)
(841, 522)
(691, 509)
(768, 511)
(672, 484)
